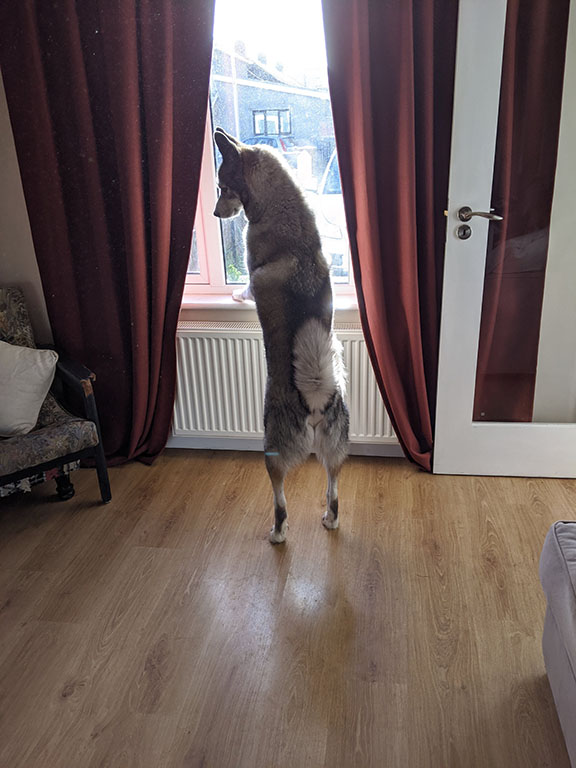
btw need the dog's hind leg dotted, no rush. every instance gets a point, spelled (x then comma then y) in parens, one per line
(331, 446)
(330, 518)
(277, 473)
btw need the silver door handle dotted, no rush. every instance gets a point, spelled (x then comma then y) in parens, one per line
(465, 214)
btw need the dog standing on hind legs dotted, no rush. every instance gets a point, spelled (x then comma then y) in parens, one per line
(304, 407)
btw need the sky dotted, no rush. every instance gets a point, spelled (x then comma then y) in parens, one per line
(290, 32)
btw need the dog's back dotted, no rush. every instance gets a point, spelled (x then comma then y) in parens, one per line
(290, 282)
(289, 276)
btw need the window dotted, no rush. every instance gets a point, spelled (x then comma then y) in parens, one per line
(269, 86)
(193, 265)
(271, 122)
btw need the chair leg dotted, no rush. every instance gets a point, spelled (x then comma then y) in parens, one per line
(102, 470)
(99, 456)
(64, 488)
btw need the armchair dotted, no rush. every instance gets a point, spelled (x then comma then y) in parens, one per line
(59, 440)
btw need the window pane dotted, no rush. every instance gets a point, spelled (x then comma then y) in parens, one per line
(193, 268)
(259, 123)
(269, 85)
(271, 123)
(285, 126)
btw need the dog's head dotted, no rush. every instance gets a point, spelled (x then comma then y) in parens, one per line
(233, 188)
(247, 175)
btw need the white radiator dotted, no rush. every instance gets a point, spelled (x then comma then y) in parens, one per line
(221, 384)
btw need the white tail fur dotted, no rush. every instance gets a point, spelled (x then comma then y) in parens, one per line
(318, 367)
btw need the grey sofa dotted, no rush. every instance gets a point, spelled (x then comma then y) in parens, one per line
(558, 577)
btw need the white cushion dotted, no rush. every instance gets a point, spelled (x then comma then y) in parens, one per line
(26, 375)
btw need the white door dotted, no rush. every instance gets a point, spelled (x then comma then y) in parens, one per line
(507, 369)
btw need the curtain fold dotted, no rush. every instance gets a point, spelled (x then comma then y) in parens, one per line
(108, 102)
(391, 75)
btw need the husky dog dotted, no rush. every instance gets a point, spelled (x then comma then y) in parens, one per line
(304, 407)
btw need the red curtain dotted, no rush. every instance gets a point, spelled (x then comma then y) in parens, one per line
(524, 175)
(108, 103)
(391, 74)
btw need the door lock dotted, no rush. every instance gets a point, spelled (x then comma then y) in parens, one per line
(464, 232)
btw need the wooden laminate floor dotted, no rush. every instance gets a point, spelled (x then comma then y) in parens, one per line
(163, 630)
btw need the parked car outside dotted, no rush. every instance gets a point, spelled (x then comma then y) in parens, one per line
(325, 199)
(287, 145)
(328, 205)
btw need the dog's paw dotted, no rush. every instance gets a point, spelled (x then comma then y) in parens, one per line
(278, 537)
(329, 522)
(243, 294)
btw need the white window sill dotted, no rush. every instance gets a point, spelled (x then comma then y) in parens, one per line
(215, 301)
(217, 307)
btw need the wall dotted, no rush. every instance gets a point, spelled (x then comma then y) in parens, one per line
(17, 257)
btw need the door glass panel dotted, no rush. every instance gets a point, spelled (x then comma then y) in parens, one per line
(527, 357)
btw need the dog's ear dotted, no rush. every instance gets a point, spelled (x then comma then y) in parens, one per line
(229, 136)
(227, 145)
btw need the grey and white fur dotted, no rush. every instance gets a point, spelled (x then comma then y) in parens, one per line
(304, 407)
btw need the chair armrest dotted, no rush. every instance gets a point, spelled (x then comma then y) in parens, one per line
(76, 374)
(79, 379)
(73, 373)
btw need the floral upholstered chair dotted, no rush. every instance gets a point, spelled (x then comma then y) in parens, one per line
(55, 446)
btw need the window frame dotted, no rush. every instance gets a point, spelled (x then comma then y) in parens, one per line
(211, 278)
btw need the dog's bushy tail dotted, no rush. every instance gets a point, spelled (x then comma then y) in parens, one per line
(318, 366)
